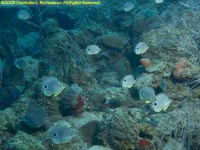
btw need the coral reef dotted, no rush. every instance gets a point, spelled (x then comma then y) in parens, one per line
(29, 66)
(56, 95)
(183, 69)
(118, 130)
(34, 116)
(9, 96)
(23, 141)
(72, 100)
(59, 44)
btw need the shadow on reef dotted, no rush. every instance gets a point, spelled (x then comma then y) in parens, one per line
(9, 96)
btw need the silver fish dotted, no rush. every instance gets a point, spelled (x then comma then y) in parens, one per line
(162, 102)
(23, 14)
(128, 6)
(92, 50)
(52, 86)
(128, 81)
(141, 48)
(61, 134)
(147, 94)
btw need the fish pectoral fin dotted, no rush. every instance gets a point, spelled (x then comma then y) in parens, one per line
(165, 108)
(147, 101)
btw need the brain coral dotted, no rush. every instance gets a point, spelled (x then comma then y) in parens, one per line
(118, 130)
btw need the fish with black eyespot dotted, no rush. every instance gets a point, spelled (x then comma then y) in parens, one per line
(51, 86)
(61, 134)
(161, 103)
(147, 94)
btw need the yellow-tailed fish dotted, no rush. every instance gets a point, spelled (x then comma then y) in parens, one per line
(61, 134)
(147, 94)
(162, 102)
(141, 48)
(51, 86)
(128, 81)
(92, 49)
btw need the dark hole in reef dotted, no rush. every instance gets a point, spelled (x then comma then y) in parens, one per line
(134, 61)
(114, 103)
(27, 129)
(134, 93)
(9, 95)
(144, 135)
(158, 90)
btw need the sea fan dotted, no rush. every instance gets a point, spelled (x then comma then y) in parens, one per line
(193, 82)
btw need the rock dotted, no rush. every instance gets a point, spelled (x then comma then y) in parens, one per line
(118, 130)
(87, 132)
(72, 101)
(183, 69)
(84, 118)
(113, 40)
(144, 80)
(23, 141)
(9, 96)
(8, 117)
(35, 116)
(97, 99)
(29, 66)
(50, 26)
(29, 43)
(173, 144)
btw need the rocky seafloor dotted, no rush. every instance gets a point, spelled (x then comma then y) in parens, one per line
(91, 110)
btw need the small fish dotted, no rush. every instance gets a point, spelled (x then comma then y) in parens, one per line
(61, 134)
(159, 1)
(141, 48)
(92, 50)
(51, 86)
(128, 6)
(128, 81)
(147, 94)
(23, 14)
(162, 102)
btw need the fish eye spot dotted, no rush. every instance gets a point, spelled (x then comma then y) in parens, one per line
(46, 86)
(124, 80)
(55, 134)
(155, 104)
(88, 49)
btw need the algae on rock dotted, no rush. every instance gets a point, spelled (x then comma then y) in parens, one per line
(62, 53)
(24, 141)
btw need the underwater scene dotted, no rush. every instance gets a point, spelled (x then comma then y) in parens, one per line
(100, 75)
